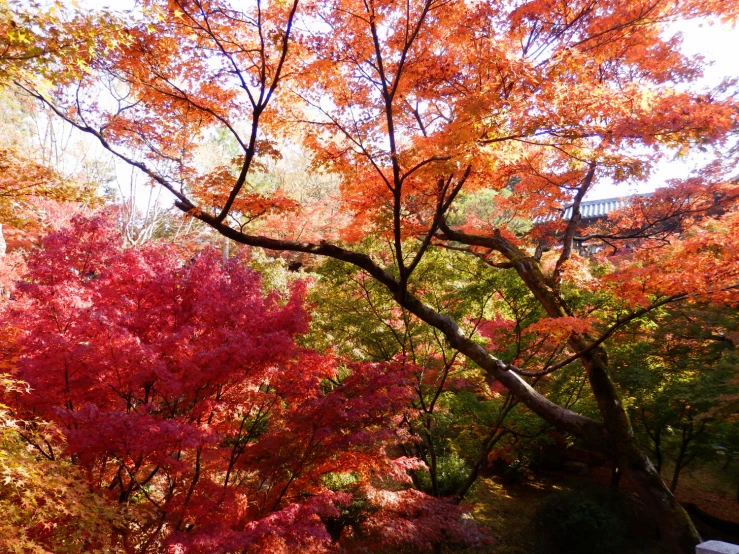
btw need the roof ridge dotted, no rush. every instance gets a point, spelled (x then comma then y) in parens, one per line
(593, 209)
(612, 199)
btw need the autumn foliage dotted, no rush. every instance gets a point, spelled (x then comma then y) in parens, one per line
(447, 126)
(182, 394)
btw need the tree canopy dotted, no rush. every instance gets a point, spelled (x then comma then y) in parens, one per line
(448, 126)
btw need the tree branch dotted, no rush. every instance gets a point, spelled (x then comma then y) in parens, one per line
(605, 336)
(569, 236)
(580, 426)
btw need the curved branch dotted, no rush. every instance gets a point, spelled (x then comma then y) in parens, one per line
(566, 420)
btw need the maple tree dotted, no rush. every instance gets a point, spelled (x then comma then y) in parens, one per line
(46, 504)
(182, 395)
(463, 423)
(416, 106)
(33, 190)
(679, 383)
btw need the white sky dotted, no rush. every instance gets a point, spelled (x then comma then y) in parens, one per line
(718, 44)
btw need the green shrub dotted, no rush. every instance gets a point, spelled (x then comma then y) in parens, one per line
(339, 481)
(451, 473)
(582, 521)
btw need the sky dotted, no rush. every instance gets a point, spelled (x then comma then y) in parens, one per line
(718, 43)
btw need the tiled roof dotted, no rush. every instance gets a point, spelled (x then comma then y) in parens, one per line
(597, 208)
(593, 209)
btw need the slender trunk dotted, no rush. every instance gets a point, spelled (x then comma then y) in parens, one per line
(658, 449)
(656, 438)
(727, 461)
(487, 446)
(433, 469)
(225, 250)
(616, 475)
(675, 478)
(481, 459)
(680, 462)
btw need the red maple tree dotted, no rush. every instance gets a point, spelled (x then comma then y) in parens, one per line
(181, 391)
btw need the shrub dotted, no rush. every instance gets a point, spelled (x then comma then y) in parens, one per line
(451, 473)
(582, 521)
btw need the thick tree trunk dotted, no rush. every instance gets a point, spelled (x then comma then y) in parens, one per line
(676, 528)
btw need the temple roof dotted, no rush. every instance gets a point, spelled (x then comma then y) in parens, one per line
(594, 209)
